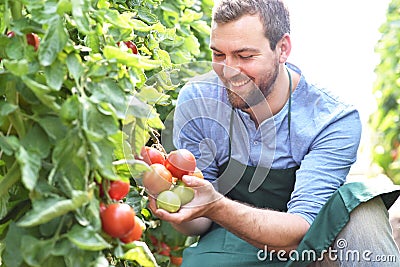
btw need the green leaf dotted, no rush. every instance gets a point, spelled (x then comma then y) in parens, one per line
(41, 145)
(7, 108)
(140, 253)
(70, 159)
(55, 74)
(53, 43)
(201, 27)
(17, 67)
(9, 144)
(30, 163)
(146, 15)
(98, 121)
(35, 251)
(75, 67)
(86, 238)
(70, 109)
(129, 59)
(12, 254)
(47, 209)
(80, 12)
(139, 109)
(108, 91)
(42, 92)
(52, 126)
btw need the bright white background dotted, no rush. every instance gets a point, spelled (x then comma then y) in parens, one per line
(333, 43)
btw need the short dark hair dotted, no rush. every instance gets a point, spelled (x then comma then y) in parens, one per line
(273, 14)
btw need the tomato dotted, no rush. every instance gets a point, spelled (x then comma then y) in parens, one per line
(152, 155)
(33, 40)
(176, 260)
(164, 249)
(198, 173)
(135, 234)
(185, 193)
(118, 219)
(180, 162)
(118, 189)
(131, 45)
(158, 179)
(169, 201)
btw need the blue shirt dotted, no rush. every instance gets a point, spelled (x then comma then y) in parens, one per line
(323, 137)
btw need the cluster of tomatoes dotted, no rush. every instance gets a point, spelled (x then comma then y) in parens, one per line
(118, 219)
(164, 180)
(164, 249)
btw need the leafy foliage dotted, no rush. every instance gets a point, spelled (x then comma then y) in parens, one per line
(76, 112)
(387, 91)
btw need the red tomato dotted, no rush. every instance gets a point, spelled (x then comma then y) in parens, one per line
(152, 155)
(118, 219)
(134, 234)
(118, 189)
(176, 260)
(158, 179)
(180, 162)
(10, 34)
(164, 249)
(131, 45)
(33, 40)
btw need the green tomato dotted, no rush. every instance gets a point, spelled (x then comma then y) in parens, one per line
(185, 193)
(169, 201)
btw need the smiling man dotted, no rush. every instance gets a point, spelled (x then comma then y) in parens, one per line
(272, 147)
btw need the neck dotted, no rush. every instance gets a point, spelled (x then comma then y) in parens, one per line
(275, 101)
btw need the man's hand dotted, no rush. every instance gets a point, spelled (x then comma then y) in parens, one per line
(204, 199)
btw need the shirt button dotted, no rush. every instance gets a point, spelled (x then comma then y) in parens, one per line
(255, 143)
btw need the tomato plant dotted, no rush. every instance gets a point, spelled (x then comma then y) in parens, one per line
(384, 121)
(75, 110)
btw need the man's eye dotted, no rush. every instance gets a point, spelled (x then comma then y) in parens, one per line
(246, 56)
(218, 55)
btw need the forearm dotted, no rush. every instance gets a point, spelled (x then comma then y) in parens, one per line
(259, 227)
(194, 227)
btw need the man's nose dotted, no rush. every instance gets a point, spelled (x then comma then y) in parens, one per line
(230, 68)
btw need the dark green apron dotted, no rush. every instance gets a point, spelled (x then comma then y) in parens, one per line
(219, 247)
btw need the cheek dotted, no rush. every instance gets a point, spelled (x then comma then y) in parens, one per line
(218, 68)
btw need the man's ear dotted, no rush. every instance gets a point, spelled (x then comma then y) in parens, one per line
(284, 48)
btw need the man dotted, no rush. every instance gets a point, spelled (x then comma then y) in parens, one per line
(272, 147)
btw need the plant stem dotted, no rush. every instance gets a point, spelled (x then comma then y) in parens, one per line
(16, 9)
(12, 176)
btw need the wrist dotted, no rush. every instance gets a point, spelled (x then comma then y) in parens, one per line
(216, 207)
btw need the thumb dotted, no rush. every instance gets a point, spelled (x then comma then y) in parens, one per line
(193, 181)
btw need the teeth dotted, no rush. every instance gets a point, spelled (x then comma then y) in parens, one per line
(237, 84)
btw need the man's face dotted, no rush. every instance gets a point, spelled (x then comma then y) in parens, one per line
(244, 61)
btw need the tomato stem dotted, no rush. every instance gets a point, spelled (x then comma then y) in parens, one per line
(15, 118)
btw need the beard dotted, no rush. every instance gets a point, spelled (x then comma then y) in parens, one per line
(256, 92)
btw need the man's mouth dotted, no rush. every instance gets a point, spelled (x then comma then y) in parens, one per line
(240, 83)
